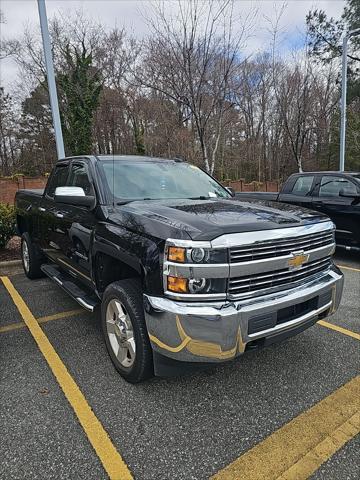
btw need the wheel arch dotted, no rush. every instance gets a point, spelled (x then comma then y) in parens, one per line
(109, 269)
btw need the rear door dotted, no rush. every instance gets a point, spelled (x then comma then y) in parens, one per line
(344, 211)
(74, 226)
(299, 191)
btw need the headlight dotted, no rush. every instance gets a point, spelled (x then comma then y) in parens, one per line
(195, 255)
(195, 285)
(185, 285)
(194, 270)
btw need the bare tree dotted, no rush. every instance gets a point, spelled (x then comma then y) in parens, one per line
(190, 59)
(8, 47)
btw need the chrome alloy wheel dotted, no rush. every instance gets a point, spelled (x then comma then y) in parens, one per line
(25, 255)
(121, 333)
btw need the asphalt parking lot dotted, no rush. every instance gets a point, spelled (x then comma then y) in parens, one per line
(192, 427)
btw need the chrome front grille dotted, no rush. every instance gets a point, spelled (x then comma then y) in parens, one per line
(284, 278)
(281, 247)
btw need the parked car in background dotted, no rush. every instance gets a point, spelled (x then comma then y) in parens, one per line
(185, 274)
(337, 194)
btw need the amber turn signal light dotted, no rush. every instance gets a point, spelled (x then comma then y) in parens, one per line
(176, 284)
(176, 254)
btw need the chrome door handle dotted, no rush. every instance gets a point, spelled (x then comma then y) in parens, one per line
(59, 215)
(42, 209)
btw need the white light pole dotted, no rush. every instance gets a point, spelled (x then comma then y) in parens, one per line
(347, 35)
(51, 79)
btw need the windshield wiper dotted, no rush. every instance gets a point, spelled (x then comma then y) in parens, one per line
(202, 197)
(124, 202)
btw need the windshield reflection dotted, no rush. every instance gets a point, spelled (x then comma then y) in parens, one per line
(159, 180)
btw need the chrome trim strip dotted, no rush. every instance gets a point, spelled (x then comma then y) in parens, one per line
(254, 238)
(272, 264)
(84, 304)
(196, 296)
(279, 288)
(197, 270)
(284, 244)
(279, 274)
(187, 243)
(274, 250)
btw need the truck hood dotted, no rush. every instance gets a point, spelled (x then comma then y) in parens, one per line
(208, 219)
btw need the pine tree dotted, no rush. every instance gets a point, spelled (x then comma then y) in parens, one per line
(80, 88)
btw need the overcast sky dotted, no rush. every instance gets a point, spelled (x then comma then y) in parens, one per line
(132, 15)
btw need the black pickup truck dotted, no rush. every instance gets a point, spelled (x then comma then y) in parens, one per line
(184, 274)
(337, 194)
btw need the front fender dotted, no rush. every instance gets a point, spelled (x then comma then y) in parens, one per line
(141, 253)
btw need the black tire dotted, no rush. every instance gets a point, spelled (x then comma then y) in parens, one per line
(128, 293)
(32, 267)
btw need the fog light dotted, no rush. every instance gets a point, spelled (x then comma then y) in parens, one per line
(176, 284)
(197, 255)
(196, 285)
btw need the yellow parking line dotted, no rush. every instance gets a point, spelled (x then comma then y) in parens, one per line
(48, 318)
(297, 449)
(349, 268)
(308, 464)
(114, 465)
(345, 331)
(59, 316)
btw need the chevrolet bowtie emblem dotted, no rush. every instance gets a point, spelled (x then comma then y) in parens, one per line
(298, 259)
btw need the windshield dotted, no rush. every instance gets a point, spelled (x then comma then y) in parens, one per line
(156, 180)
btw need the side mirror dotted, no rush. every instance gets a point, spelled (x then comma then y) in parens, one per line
(343, 193)
(231, 191)
(74, 196)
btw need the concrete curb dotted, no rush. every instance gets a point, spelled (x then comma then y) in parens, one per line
(11, 267)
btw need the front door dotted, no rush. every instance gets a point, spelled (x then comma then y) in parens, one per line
(47, 210)
(74, 226)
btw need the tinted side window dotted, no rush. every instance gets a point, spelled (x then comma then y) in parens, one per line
(58, 179)
(331, 186)
(303, 185)
(79, 178)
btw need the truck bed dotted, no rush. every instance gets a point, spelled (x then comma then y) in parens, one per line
(38, 192)
(265, 196)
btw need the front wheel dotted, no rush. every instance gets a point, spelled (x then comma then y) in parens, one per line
(124, 329)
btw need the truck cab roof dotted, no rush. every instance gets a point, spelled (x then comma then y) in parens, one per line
(123, 158)
(327, 172)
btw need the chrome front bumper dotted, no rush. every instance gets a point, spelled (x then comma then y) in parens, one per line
(218, 331)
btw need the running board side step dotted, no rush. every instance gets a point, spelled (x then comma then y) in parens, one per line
(82, 297)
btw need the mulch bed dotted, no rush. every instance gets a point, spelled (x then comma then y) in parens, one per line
(12, 250)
